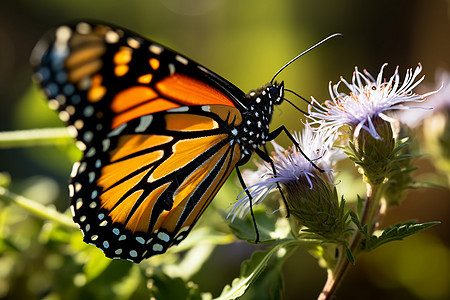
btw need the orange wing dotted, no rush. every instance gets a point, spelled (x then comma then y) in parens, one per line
(152, 188)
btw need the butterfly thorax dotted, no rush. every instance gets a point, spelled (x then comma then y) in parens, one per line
(253, 132)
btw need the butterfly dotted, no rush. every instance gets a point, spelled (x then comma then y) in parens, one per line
(160, 134)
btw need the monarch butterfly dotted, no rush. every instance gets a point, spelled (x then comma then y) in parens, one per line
(160, 134)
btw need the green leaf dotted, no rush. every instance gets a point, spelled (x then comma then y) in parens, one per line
(360, 205)
(395, 233)
(191, 262)
(125, 288)
(350, 256)
(161, 286)
(269, 284)
(255, 266)
(96, 265)
(357, 222)
(270, 228)
(202, 236)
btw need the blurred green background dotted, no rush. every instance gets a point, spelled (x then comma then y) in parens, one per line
(245, 42)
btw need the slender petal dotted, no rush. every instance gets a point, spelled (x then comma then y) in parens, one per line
(367, 100)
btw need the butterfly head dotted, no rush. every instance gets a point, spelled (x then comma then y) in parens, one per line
(275, 91)
(269, 94)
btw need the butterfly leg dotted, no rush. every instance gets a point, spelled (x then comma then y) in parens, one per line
(250, 200)
(265, 156)
(279, 130)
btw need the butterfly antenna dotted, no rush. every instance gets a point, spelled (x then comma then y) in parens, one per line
(304, 52)
(301, 97)
(295, 106)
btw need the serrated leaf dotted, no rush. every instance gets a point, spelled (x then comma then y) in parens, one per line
(251, 269)
(395, 233)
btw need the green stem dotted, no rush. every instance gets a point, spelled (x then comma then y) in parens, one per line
(34, 137)
(369, 215)
(42, 211)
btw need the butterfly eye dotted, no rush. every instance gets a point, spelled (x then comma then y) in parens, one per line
(274, 92)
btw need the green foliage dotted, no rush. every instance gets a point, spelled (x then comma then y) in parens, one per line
(270, 228)
(165, 287)
(393, 233)
(265, 263)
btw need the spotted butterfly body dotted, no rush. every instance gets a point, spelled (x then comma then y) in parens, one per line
(160, 134)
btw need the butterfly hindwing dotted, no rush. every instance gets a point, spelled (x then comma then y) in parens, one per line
(152, 187)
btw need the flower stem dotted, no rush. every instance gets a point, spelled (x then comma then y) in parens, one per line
(42, 211)
(34, 137)
(370, 214)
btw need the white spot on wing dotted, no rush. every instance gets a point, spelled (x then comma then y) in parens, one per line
(156, 49)
(91, 152)
(144, 122)
(163, 236)
(79, 203)
(88, 111)
(203, 69)
(181, 59)
(75, 168)
(106, 143)
(179, 109)
(91, 177)
(71, 190)
(83, 28)
(157, 247)
(112, 37)
(118, 130)
(63, 34)
(171, 69)
(133, 43)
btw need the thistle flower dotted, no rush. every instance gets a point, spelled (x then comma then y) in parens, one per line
(372, 144)
(369, 99)
(311, 195)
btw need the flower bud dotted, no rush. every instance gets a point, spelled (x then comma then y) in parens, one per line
(313, 201)
(374, 155)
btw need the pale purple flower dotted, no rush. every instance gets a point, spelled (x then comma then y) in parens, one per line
(367, 100)
(290, 165)
(434, 103)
